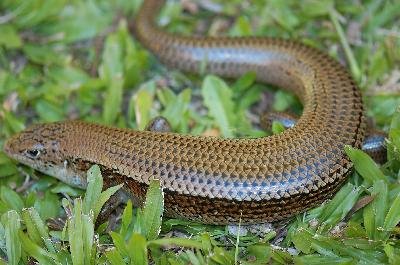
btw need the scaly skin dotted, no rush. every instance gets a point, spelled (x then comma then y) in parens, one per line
(215, 180)
(374, 143)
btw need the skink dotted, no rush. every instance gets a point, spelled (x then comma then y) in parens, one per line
(210, 179)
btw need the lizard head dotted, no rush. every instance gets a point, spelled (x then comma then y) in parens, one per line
(42, 147)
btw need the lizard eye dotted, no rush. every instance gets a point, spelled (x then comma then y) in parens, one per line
(33, 153)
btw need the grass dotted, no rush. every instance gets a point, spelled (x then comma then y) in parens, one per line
(63, 59)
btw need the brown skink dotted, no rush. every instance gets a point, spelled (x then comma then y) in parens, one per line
(216, 180)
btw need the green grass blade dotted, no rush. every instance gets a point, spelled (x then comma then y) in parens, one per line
(218, 99)
(119, 244)
(375, 212)
(369, 221)
(392, 253)
(87, 237)
(94, 197)
(114, 257)
(111, 70)
(104, 197)
(153, 210)
(302, 240)
(12, 199)
(193, 259)
(364, 165)
(316, 259)
(340, 205)
(113, 100)
(176, 107)
(393, 216)
(12, 225)
(182, 242)
(261, 251)
(40, 254)
(277, 127)
(75, 232)
(222, 256)
(143, 102)
(137, 246)
(31, 228)
(37, 230)
(126, 219)
(244, 82)
(393, 146)
(355, 69)
(93, 190)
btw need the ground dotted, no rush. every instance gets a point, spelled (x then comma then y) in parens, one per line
(76, 59)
